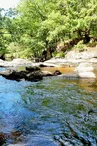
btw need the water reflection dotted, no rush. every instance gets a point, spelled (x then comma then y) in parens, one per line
(61, 69)
(63, 110)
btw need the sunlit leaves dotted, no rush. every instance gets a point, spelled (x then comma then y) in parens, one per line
(39, 24)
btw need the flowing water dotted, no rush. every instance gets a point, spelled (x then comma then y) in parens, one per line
(51, 112)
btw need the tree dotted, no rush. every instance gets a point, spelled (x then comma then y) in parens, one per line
(41, 24)
(2, 36)
(82, 16)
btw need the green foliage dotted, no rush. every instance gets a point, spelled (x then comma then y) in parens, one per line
(53, 21)
(59, 55)
(2, 45)
(35, 25)
(79, 46)
(16, 50)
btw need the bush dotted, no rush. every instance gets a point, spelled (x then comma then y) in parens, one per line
(16, 50)
(79, 45)
(59, 54)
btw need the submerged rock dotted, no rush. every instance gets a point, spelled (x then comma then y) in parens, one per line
(2, 139)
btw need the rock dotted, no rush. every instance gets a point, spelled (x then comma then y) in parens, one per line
(20, 62)
(63, 62)
(2, 139)
(6, 72)
(31, 74)
(42, 65)
(81, 55)
(85, 70)
(19, 75)
(47, 73)
(86, 75)
(93, 60)
(84, 67)
(57, 72)
(15, 63)
(34, 76)
(31, 69)
(14, 75)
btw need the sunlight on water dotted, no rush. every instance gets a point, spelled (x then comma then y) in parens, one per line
(52, 111)
(61, 69)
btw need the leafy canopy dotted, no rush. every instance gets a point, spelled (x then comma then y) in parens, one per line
(38, 24)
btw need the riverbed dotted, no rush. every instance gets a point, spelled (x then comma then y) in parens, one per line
(51, 112)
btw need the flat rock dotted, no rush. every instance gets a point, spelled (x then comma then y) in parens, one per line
(86, 75)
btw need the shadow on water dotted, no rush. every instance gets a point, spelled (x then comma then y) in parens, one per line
(52, 112)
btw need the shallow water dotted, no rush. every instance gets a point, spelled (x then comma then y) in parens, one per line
(61, 69)
(51, 112)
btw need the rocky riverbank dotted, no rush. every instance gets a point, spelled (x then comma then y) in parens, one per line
(29, 74)
(72, 58)
(82, 61)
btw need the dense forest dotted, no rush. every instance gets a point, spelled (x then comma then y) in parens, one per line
(38, 26)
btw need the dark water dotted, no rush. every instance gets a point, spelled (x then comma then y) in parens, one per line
(52, 112)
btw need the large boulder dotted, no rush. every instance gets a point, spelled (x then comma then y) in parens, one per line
(84, 67)
(85, 70)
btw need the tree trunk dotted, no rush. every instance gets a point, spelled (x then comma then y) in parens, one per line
(86, 37)
(48, 53)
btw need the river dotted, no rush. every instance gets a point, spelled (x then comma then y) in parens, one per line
(51, 112)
